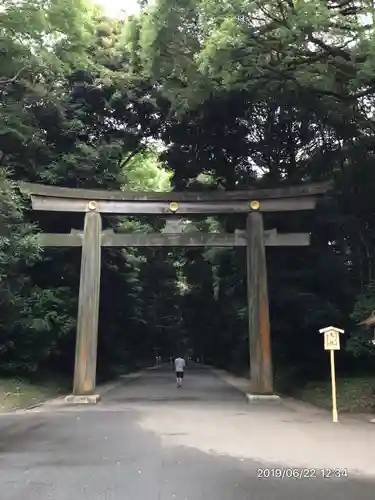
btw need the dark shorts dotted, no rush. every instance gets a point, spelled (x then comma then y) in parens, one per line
(180, 374)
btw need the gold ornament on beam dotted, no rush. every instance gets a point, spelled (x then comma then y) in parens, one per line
(254, 205)
(173, 207)
(92, 206)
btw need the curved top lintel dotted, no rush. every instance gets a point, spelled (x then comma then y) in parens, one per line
(302, 190)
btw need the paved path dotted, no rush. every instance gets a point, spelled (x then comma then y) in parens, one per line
(149, 440)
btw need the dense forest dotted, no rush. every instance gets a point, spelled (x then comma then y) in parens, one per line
(188, 95)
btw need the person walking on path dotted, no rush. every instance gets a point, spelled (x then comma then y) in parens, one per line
(179, 366)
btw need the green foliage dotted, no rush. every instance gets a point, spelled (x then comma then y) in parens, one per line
(273, 93)
(18, 248)
(353, 394)
(360, 342)
(195, 48)
(67, 119)
(239, 94)
(145, 172)
(365, 304)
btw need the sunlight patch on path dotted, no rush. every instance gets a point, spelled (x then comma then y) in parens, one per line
(268, 435)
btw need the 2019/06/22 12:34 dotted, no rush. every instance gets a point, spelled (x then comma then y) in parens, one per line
(301, 473)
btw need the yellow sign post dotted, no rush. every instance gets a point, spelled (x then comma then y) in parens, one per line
(332, 344)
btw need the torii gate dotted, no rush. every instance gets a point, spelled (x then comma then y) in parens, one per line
(95, 202)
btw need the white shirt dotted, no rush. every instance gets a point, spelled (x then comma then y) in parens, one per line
(179, 364)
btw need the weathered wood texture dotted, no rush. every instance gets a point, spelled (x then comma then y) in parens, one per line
(250, 194)
(60, 240)
(88, 308)
(258, 309)
(289, 198)
(55, 204)
(196, 239)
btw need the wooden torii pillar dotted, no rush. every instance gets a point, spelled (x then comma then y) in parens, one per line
(95, 202)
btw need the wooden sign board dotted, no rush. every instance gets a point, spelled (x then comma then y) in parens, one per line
(332, 344)
(332, 341)
(331, 338)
